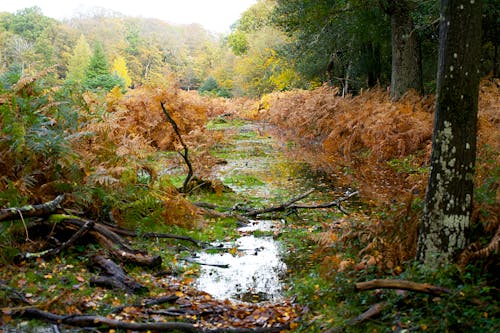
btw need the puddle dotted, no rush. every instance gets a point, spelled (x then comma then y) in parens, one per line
(254, 269)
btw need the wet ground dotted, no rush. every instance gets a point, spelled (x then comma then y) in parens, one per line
(252, 265)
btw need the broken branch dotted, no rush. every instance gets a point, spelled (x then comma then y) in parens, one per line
(403, 285)
(44, 209)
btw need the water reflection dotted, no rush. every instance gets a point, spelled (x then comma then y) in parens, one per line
(254, 270)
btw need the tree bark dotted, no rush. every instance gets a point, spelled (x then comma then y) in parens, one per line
(449, 195)
(406, 70)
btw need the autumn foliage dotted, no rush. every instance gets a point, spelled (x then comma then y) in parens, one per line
(381, 148)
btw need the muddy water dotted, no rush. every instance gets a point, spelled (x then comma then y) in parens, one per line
(254, 264)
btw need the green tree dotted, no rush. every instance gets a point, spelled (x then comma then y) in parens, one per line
(79, 61)
(343, 42)
(448, 204)
(238, 42)
(97, 74)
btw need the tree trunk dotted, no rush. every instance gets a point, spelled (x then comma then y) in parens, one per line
(448, 202)
(406, 70)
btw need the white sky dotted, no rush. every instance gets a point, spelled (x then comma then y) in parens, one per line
(214, 15)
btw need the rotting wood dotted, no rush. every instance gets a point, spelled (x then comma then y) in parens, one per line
(44, 209)
(55, 251)
(100, 321)
(114, 276)
(403, 285)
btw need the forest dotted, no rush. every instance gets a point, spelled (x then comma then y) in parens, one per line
(326, 166)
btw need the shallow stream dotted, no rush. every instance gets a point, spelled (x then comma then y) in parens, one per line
(257, 168)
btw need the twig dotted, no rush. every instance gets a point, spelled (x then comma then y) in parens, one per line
(185, 154)
(191, 260)
(24, 225)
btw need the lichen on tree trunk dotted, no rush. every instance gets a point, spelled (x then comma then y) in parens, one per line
(448, 203)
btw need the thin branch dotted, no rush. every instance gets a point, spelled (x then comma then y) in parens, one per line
(185, 153)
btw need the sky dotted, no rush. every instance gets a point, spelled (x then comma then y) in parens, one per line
(214, 15)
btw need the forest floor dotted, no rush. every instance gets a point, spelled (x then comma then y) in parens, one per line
(283, 271)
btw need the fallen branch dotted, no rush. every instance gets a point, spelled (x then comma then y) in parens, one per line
(373, 311)
(403, 285)
(335, 203)
(100, 321)
(55, 251)
(172, 236)
(115, 277)
(131, 233)
(111, 241)
(44, 209)
(279, 208)
(185, 153)
(291, 205)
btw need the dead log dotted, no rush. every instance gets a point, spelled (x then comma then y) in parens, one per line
(100, 321)
(403, 285)
(114, 276)
(44, 209)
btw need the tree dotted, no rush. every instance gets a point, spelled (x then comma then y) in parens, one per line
(120, 70)
(340, 42)
(448, 203)
(97, 75)
(79, 61)
(406, 72)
